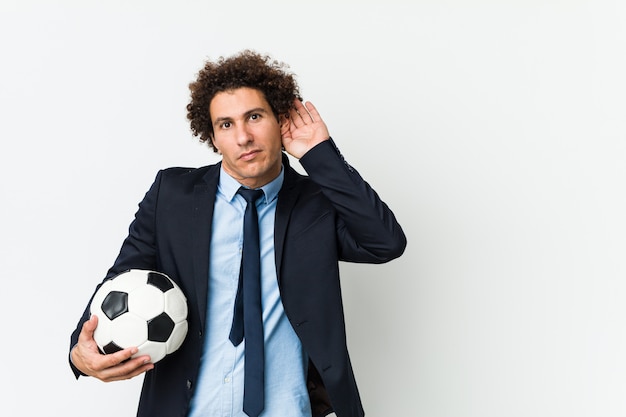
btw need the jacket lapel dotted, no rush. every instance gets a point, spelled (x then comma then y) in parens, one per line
(287, 198)
(203, 203)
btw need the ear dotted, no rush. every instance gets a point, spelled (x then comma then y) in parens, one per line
(283, 120)
(212, 144)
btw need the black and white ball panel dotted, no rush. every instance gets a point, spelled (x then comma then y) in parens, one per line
(140, 308)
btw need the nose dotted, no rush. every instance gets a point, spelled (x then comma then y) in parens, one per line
(243, 134)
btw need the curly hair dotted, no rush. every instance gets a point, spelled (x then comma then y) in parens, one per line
(246, 69)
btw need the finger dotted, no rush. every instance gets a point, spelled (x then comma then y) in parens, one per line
(86, 336)
(127, 370)
(313, 113)
(295, 124)
(115, 366)
(89, 327)
(303, 112)
(296, 119)
(117, 358)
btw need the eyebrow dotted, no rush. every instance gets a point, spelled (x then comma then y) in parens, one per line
(219, 120)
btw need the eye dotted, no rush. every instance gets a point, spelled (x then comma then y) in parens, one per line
(255, 116)
(225, 125)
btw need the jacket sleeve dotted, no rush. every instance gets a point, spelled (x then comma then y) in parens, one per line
(367, 229)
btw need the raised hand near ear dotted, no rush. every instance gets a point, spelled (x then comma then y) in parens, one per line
(303, 130)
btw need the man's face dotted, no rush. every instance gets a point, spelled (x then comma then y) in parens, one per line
(247, 135)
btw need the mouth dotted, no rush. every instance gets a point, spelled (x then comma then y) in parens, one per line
(248, 155)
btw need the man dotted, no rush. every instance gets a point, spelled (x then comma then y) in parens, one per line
(189, 226)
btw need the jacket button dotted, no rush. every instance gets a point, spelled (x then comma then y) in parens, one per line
(188, 384)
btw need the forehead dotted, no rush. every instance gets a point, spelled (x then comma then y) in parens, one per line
(233, 103)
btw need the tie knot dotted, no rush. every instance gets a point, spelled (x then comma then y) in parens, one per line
(250, 195)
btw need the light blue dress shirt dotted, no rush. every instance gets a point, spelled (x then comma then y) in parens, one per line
(219, 390)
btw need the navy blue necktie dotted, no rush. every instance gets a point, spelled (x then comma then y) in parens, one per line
(248, 313)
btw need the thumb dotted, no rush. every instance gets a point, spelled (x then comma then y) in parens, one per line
(89, 327)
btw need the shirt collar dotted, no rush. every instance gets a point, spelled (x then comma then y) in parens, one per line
(229, 186)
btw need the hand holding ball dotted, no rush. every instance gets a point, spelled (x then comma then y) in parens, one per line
(140, 308)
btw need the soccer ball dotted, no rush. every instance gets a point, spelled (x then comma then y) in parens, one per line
(140, 308)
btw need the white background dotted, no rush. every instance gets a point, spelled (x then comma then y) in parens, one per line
(494, 129)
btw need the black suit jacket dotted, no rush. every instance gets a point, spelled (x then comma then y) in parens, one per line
(331, 215)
